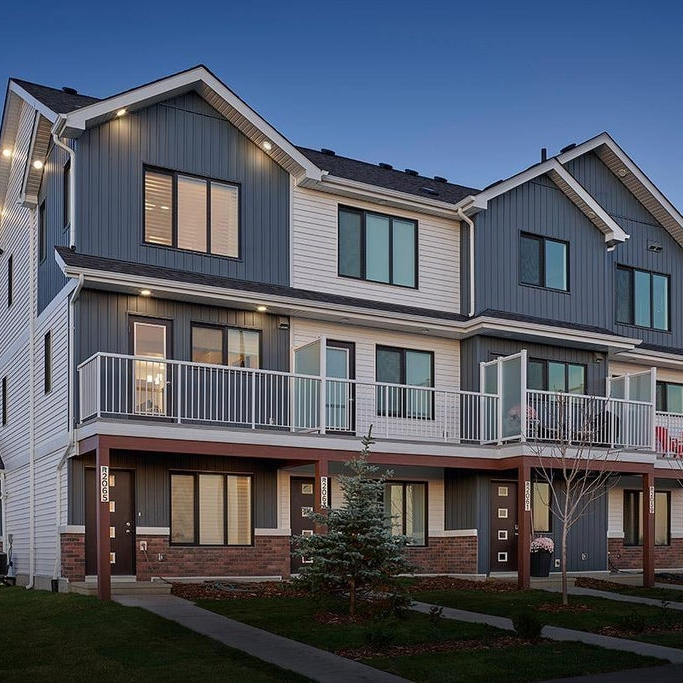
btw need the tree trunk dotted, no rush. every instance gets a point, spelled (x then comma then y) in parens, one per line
(352, 598)
(565, 596)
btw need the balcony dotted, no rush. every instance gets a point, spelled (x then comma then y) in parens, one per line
(122, 387)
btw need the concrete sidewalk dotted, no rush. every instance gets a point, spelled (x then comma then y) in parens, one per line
(619, 597)
(308, 661)
(670, 654)
(673, 673)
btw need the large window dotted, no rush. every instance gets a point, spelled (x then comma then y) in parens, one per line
(642, 298)
(633, 516)
(211, 509)
(546, 375)
(376, 247)
(226, 346)
(543, 262)
(669, 397)
(405, 505)
(191, 213)
(407, 367)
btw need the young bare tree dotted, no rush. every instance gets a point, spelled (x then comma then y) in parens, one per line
(575, 447)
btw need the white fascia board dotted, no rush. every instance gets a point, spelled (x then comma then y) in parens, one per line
(652, 358)
(183, 82)
(382, 195)
(50, 115)
(488, 324)
(601, 217)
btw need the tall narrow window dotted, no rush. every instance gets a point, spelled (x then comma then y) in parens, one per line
(541, 507)
(633, 515)
(405, 506)
(42, 233)
(3, 391)
(10, 281)
(642, 298)
(47, 360)
(66, 203)
(543, 262)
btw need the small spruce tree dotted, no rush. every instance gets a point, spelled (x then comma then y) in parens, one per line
(357, 555)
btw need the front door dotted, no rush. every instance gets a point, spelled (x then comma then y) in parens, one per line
(339, 366)
(301, 500)
(151, 339)
(121, 520)
(504, 529)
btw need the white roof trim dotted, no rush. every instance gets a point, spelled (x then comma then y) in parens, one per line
(50, 115)
(569, 186)
(198, 79)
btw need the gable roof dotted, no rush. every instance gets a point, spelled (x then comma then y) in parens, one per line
(57, 100)
(391, 179)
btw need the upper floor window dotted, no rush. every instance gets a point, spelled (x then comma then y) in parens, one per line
(405, 366)
(669, 398)
(42, 233)
(376, 247)
(548, 375)
(543, 262)
(47, 362)
(66, 202)
(10, 281)
(642, 298)
(3, 401)
(226, 346)
(191, 213)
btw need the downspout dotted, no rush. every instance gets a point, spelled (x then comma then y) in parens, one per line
(71, 361)
(57, 128)
(469, 222)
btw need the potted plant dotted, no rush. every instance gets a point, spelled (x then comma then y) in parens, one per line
(542, 549)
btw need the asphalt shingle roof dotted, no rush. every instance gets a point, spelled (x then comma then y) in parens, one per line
(392, 179)
(53, 98)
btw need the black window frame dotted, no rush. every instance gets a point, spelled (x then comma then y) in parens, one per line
(66, 195)
(662, 406)
(403, 411)
(174, 175)
(225, 329)
(635, 532)
(4, 400)
(567, 364)
(404, 484)
(225, 475)
(632, 293)
(42, 231)
(47, 362)
(542, 239)
(363, 213)
(10, 281)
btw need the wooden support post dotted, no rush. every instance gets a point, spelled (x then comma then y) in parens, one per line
(524, 525)
(103, 539)
(649, 529)
(322, 491)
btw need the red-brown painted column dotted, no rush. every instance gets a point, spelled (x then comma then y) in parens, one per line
(524, 525)
(649, 529)
(103, 539)
(322, 490)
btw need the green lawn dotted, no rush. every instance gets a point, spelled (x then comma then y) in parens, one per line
(603, 612)
(57, 637)
(296, 618)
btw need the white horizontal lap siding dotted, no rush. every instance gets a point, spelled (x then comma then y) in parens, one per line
(314, 255)
(14, 435)
(615, 513)
(45, 520)
(52, 408)
(677, 513)
(17, 519)
(446, 375)
(663, 374)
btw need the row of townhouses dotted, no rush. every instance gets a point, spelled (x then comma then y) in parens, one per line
(199, 319)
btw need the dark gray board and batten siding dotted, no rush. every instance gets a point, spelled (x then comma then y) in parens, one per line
(184, 134)
(153, 484)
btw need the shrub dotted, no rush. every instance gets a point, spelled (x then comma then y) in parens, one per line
(380, 633)
(527, 625)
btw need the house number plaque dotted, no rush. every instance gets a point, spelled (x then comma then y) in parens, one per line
(652, 500)
(104, 484)
(527, 496)
(323, 492)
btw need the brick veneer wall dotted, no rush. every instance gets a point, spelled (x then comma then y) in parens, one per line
(73, 556)
(448, 555)
(269, 556)
(631, 557)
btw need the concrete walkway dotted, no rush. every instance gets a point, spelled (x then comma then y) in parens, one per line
(672, 673)
(619, 597)
(670, 654)
(308, 661)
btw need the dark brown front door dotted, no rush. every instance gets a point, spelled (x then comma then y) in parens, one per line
(503, 526)
(301, 502)
(122, 521)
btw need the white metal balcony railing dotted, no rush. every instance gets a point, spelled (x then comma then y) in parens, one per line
(121, 386)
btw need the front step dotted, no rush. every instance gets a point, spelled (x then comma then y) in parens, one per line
(122, 588)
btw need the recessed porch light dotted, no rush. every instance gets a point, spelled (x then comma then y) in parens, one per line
(121, 112)
(262, 309)
(267, 145)
(38, 164)
(7, 152)
(145, 292)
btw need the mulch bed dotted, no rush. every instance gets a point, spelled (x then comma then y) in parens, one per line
(675, 579)
(438, 583)
(600, 584)
(618, 632)
(369, 652)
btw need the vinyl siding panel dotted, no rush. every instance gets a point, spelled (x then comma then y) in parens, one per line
(17, 521)
(187, 135)
(314, 260)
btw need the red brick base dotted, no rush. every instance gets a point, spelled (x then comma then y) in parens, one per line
(269, 556)
(73, 556)
(631, 557)
(449, 555)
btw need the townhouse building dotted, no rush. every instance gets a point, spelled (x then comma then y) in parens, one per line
(200, 319)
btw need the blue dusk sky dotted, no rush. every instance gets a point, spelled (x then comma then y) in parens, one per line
(470, 91)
